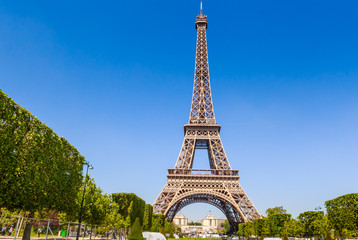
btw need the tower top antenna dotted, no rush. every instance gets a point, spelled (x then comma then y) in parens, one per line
(201, 7)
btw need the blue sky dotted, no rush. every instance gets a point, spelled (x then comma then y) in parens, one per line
(115, 78)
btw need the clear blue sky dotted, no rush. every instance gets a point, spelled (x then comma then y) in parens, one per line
(115, 79)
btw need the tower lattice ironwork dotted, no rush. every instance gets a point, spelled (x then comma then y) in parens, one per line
(219, 185)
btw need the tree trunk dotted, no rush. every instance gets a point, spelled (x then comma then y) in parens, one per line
(28, 226)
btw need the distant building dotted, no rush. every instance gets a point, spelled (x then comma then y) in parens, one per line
(212, 221)
(209, 224)
(180, 220)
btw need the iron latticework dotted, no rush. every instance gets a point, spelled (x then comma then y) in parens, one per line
(219, 185)
(202, 110)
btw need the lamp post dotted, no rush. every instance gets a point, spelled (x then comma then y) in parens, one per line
(317, 209)
(89, 166)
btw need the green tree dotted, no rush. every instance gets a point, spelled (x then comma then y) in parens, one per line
(195, 224)
(265, 227)
(113, 218)
(96, 205)
(168, 226)
(275, 211)
(171, 235)
(277, 223)
(38, 169)
(259, 225)
(130, 207)
(136, 231)
(342, 213)
(157, 222)
(155, 225)
(276, 220)
(294, 228)
(248, 229)
(226, 225)
(240, 231)
(313, 223)
(148, 216)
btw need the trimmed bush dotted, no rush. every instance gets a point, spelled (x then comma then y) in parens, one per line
(130, 206)
(136, 232)
(171, 235)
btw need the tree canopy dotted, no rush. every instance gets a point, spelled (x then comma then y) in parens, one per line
(38, 169)
(314, 222)
(131, 207)
(342, 213)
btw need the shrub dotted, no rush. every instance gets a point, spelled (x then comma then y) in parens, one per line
(136, 233)
(171, 235)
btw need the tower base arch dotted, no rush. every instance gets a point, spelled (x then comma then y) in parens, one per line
(221, 190)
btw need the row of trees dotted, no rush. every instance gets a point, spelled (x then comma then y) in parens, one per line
(41, 175)
(118, 210)
(39, 171)
(341, 220)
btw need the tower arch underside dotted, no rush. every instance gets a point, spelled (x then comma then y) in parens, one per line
(220, 201)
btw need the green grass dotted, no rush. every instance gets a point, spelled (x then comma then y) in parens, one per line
(196, 238)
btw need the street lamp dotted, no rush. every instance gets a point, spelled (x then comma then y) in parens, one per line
(89, 166)
(317, 209)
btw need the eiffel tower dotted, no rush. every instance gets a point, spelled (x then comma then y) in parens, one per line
(219, 185)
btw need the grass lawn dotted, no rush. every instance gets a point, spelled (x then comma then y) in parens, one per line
(196, 238)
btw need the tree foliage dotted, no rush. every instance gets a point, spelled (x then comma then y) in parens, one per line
(294, 228)
(171, 234)
(274, 211)
(328, 235)
(226, 226)
(158, 221)
(168, 226)
(261, 227)
(96, 205)
(113, 218)
(147, 219)
(136, 231)
(38, 169)
(195, 224)
(314, 223)
(342, 213)
(131, 207)
(277, 223)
